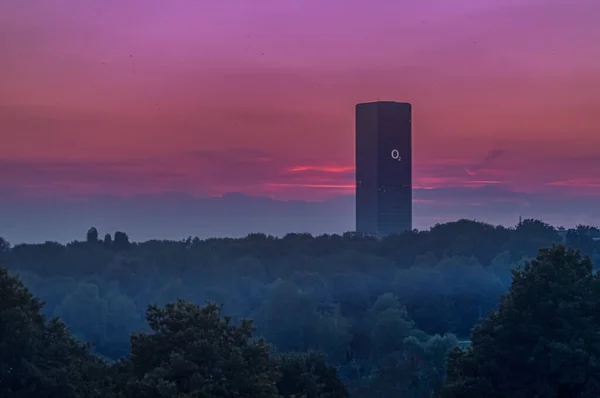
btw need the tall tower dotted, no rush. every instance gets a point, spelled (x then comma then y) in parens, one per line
(383, 168)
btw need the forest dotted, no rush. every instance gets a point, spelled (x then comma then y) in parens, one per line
(412, 315)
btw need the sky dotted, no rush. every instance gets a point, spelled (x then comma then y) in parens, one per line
(148, 103)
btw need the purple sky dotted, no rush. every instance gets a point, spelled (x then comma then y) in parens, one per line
(112, 99)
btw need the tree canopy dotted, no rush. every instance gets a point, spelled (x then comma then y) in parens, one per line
(192, 351)
(331, 315)
(38, 357)
(543, 339)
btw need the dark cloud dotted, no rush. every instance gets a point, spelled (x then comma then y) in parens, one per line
(493, 154)
(486, 162)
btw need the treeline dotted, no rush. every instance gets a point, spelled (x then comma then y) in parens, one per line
(191, 351)
(384, 312)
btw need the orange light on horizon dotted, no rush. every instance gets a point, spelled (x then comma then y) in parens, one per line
(341, 169)
(326, 186)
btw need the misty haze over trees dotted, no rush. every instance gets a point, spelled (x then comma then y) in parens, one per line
(177, 216)
(381, 316)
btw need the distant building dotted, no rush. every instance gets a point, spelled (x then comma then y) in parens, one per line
(383, 168)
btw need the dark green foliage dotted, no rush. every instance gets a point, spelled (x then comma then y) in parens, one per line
(384, 313)
(121, 241)
(542, 341)
(92, 235)
(308, 376)
(39, 358)
(4, 250)
(192, 351)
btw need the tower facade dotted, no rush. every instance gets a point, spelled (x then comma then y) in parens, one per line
(383, 168)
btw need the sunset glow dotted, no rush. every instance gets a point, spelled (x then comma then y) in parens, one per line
(121, 98)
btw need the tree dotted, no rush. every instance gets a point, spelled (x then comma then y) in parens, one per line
(107, 240)
(194, 352)
(542, 341)
(296, 321)
(92, 235)
(85, 311)
(4, 248)
(309, 375)
(121, 241)
(39, 358)
(4, 245)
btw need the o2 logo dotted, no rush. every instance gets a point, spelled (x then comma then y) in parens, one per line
(396, 155)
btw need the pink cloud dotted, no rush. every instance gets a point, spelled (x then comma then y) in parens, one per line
(342, 169)
(253, 172)
(578, 183)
